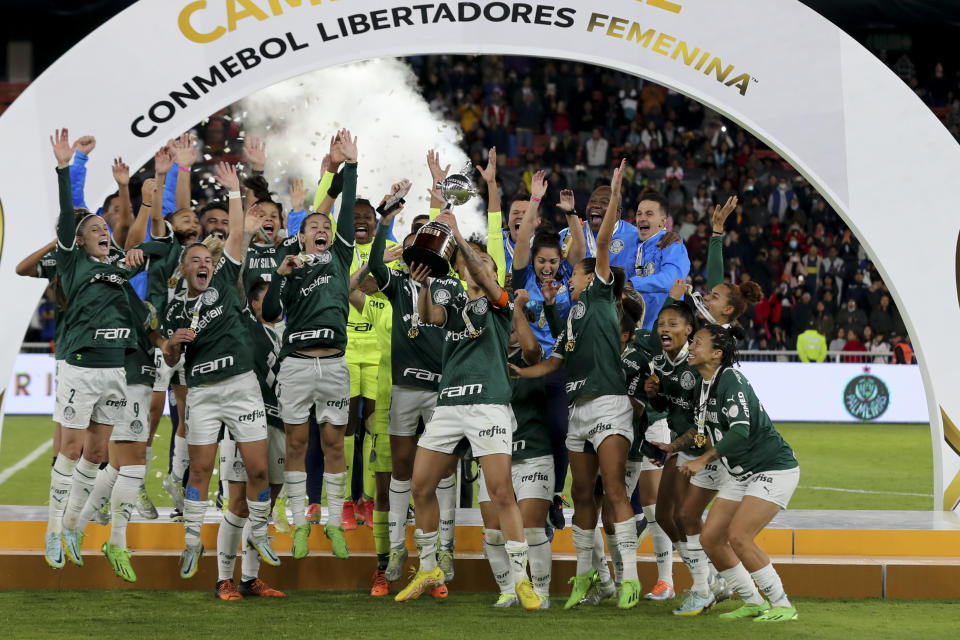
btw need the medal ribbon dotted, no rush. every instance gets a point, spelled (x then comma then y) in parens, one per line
(415, 317)
(471, 330)
(702, 407)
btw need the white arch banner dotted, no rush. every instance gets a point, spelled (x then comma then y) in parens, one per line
(866, 142)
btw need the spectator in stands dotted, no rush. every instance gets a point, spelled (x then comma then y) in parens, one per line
(853, 345)
(838, 343)
(823, 320)
(801, 314)
(651, 134)
(597, 150)
(880, 349)
(811, 344)
(779, 200)
(812, 262)
(902, 349)
(880, 318)
(496, 118)
(852, 318)
(856, 290)
(528, 118)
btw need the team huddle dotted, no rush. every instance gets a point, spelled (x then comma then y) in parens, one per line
(537, 354)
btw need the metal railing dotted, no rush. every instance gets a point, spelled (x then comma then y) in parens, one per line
(857, 357)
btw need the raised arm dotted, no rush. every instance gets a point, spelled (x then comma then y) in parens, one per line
(346, 151)
(494, 216)
(528, 225)
(715, 251)
(437, 174)
(578, 246)
(485, 278)
(82, 147)
(66, 225)
(608, 224)
(29, 266)
(378, 268)
(151, 206)
(228, 178)
(185, 155)
(121, 173)
(255, 154)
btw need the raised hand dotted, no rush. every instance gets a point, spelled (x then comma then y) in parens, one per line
(185, 152)
(325, 164)
(147, 190)
(227, 176)
(134, 258)
(489, 173)
(538, 185)
(720, 214)
(419, 273)
(437, 173)
(62, 149)
(298, 194)
(121, 173)
(616, 184)
(85, 144)
(392, 253)
(347, 145)
(162, 162)
(521, 297)
(679, 289)
(255, 153)
(448, 219)
(567, 202)
(549, 290)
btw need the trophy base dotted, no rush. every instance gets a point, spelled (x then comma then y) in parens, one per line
(439, 266)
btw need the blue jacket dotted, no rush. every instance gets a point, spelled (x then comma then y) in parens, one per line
(527, 279)
(623, 245)
(654, 271)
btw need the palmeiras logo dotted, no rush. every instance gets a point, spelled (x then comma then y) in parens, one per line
(866, 396)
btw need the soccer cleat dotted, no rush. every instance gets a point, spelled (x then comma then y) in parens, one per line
(544, 602)
(642, 529)
(226, 590)
(280, 522)
(176, 515)
(54, 552)
(380, 585)
(301, 543)
(422, 580)
(72, 542)
(257, 588)
(721, 590)
(506, 600)
(175, 489)
(366, 509)
(661, 591)
(746, 611)
(555, 515)
(581, 585)
(190, 561)
(528, 598)
(445, 562)
(267, 554)
(102, 515)
(439, 592)
(120, 561)
(337, 542)
(778, 614)
(349, 515)
(599, 592)
(694, 604)
(398, 557)
(145, 506)
(630, 591)
(314, 513)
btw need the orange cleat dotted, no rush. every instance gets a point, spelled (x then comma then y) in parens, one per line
(349, 515)
(439, 592)
(226, 590)
(365, 508)
(314, 513)
(258, 589)
(380, 585)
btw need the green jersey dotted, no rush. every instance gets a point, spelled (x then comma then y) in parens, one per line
(263, 260)
(591, 344)
(675, 396)
(741, 430)
(266, 364)
(316, 296)
(415, 360)
(222, 347)
(474, 361)
(162, 256)
(532, 438)
(636, 369)
(139, 365)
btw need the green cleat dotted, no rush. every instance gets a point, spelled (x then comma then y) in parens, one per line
(337, 541)
(263, 547)
(746, 611)
(778, 614)
(506, 601)
(445, 562)
(630, 593)
(280, 522)
(301, 545)
(54, 550)
(145, 506)
(190, 561)
(72, 542)
(398, 557)
(120, 561)
(581, 585)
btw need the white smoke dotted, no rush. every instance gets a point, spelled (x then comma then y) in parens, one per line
(380, 103)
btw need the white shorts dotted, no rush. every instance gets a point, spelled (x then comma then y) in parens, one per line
(532, 480)
(57, 409)
(236, 402)
(659, 431)
(712, 477)
(407, 406)
(167, 374)
(323, 383)
(594, 419)
(134, 422)
(488, 427)
(633, 475)
(87, 395)
(773, 486)
(231, 462)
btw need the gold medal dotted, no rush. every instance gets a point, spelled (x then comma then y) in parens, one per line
(413, 333)
(474, 334)
(699, 439)
(571, 345)
(172, 282)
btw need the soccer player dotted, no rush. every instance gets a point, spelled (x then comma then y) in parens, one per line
(221, 384)
(265, 252)
(531, 471)
(763, 469)
(236, 527)
(474, 403)
(313, 290)
(600, 423)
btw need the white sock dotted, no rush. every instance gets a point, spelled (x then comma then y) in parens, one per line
(193, 511)
(662, 547)
(84, 478)
(250, 564)
(336, 484)
(739, 579)
(583, 541)
(229, 539)
(426, 548)
(296, 483)
(259, 517)
(399, 502)
(447, 498)
(61, 479)
(146, 465)
(102, 488)
(771, 586)
(517, 552)
(696, 561)
(496, 553)
(123, 500)
(615, 556)
(540, 560)
(181, 458)
(626, 533)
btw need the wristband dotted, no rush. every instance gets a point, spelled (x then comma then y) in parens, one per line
(233, 195)
(718, 233)
(535, 199)
(144, 204)
(184, 169)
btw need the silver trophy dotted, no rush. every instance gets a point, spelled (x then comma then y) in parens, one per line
(457, 189)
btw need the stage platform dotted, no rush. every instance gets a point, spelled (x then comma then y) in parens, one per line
(842, 554)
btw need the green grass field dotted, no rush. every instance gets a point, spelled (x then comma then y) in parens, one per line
(856, 466)
(125, 614)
